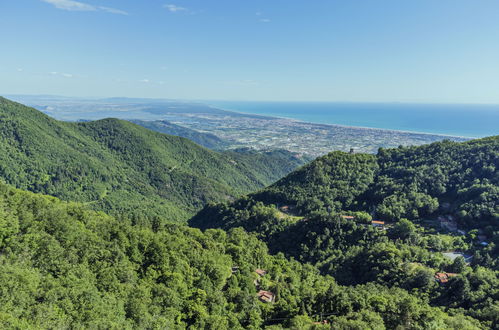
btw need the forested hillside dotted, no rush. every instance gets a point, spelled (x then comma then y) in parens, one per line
(398, 218)
(203, 139)
(442, 178)
(123, 168)
(64, 266)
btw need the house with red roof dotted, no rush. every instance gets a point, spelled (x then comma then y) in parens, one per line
(266, 296)
(444, 277)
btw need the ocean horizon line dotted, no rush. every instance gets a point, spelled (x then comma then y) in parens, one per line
(341, 125)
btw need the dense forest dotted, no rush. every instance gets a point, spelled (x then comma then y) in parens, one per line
(443, 178)
(391, 219)
(64, 266)
(407, 182)
(122, 168)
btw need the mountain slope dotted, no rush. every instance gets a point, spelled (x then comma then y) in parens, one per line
(440, 203)
(442, 178)
(121, 167)
(64, 266)
(203, 139)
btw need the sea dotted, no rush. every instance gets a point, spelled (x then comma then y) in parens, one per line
(464, 120)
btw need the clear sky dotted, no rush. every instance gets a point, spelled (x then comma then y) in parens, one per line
(310, 50)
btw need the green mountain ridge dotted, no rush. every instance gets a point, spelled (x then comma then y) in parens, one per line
(442, 178)
(120, 167)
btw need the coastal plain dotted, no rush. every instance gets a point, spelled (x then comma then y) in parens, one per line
(234, 129)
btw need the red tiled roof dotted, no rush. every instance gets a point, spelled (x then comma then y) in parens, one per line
(378, 222)
(441, 277)
(348, 217)
(265, 296)
(444, 277)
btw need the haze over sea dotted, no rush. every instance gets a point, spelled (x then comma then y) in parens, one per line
(467, 120)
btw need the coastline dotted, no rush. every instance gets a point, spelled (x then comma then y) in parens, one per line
(274, 117)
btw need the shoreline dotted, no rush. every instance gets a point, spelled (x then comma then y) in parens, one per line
(272, 117)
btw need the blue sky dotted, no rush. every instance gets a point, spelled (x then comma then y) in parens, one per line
(332, 50)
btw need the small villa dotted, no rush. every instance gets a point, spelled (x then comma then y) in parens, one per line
(444, 277)
(348, 217)
(266, 296)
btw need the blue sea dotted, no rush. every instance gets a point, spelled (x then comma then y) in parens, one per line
(466, 120)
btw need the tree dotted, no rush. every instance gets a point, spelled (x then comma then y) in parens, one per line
(404, 229)
(458, 265)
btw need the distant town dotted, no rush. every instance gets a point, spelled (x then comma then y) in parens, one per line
(307, 138)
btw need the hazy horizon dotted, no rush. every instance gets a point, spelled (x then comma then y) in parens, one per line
(207, 101)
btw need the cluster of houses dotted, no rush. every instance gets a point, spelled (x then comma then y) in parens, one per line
(447, 222)
(263, 295)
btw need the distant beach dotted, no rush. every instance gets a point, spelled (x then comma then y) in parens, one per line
(460, 120)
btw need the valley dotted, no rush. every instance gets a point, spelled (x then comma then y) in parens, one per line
(96, 225)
